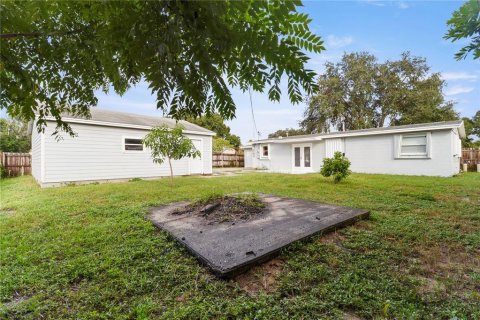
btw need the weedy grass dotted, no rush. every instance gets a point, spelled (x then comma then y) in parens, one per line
(87, 252)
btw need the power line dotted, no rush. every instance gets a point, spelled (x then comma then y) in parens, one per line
(256, 132)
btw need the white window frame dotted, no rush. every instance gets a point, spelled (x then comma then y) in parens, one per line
(399, 144)
(261, 151)
(132, 151)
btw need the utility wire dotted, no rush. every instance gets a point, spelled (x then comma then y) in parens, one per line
(255, 133)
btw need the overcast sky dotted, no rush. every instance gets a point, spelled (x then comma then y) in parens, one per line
(385, 29)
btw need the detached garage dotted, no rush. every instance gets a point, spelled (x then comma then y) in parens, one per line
(108, 147)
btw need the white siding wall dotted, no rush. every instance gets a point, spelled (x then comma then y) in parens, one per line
(206, 153)
(334, 145)
(248, 158)
(281, 160)
(36, 154)
(456, 151)
(375, 154)
(97, 154)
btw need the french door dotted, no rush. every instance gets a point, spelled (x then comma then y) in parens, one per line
(302, 158)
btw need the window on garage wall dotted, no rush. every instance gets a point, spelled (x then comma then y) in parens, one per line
(415, 145)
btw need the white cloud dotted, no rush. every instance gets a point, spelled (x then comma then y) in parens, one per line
(334, 41)
(458, 90)
(459, 76)
(403, 5)
(374, 3)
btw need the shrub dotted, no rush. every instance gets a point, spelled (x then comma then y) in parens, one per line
(3, 172)
(336, 167)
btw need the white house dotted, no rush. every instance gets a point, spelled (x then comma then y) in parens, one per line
(108, 146)
(430, 149)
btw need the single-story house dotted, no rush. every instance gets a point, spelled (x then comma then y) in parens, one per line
(108, 146)
(430, 149)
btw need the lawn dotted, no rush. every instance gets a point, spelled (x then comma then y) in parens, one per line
(86, 252)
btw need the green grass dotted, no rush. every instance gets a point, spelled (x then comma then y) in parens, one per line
(86, 252)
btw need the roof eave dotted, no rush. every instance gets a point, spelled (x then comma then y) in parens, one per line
(123, 125)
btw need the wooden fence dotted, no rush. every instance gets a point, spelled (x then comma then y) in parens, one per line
(16, 164)
(470, 156)
(227, 160)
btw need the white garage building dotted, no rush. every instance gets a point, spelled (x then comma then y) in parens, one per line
(430, 149)
(108, 147)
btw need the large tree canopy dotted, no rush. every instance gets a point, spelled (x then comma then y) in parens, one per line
(56, 54)
(359, 92)
(465, 24)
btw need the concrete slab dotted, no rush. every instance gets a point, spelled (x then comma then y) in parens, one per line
(231, 248)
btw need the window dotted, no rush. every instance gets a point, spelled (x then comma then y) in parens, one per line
(414, 146)
(132, 144)
(265, 151)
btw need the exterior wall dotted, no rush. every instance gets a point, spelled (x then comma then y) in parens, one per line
(248, 158)
(281, 157)
(36, 154)
(375, 154)
(96, 153)
(456, 151)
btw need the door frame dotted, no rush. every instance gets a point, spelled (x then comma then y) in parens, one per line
(302, 168)
(201, 157)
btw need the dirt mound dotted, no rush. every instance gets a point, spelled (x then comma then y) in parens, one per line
(220, 209)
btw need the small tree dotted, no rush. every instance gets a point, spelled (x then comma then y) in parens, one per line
(167, 143)
(336, 167)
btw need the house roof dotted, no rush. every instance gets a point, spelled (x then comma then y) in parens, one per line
(457, 124)
(131, 120)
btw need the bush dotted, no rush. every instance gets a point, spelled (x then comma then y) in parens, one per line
(336, 167)
(3, 172)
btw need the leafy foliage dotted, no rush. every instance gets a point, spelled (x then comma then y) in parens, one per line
(55, 54)
(169, 144)
(359, 92)
(216, 123)
(472, 128)
(286, 133)
(338, 167)
(465, 23)
(14, 136)
(220, 145)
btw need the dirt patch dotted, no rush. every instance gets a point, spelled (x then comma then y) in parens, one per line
(7, 211)
(16, 300)
(262, 278)
(231, 208)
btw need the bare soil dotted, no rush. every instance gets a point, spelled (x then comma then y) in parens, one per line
(221, 209)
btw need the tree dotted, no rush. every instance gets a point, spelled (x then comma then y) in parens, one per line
(359, 92)
(338, 167)
(476, 124)
(286, 133)
(14, 136)
(472, 128)
(170, 144)
(465, 23)
(220, 145)
(215, 123)
(56, 54)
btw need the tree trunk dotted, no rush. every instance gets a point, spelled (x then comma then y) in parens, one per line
(171, 171)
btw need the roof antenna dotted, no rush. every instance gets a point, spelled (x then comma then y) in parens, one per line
(255, 130)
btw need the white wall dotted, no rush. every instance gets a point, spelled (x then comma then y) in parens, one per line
(375, 154)
(248, 158)
(97, 154)
(372, 154)
(280, 157)
(36, 154)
